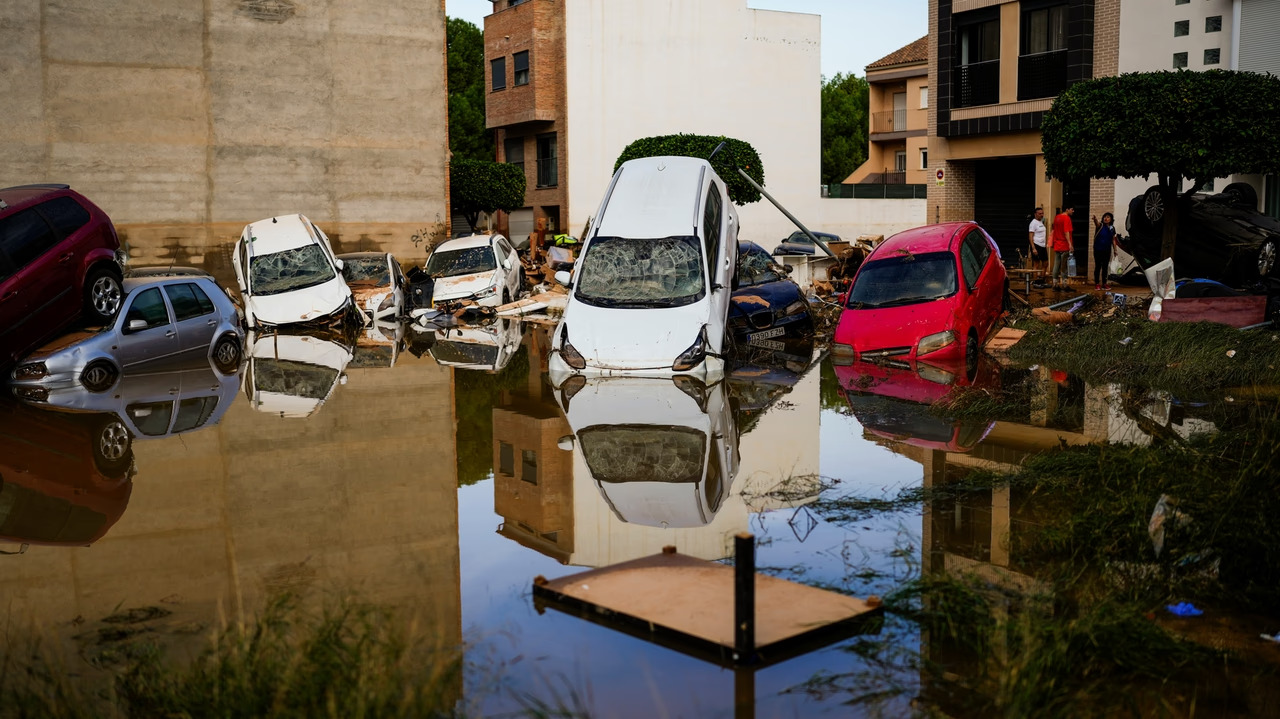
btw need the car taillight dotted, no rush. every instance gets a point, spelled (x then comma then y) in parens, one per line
(842, 354)
(569, 353)
(693, 356)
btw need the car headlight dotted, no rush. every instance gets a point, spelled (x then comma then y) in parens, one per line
(31, 394)
(693, 356)
(842, 354)
(487, 292)
(387, 302)
(935, 374)
(935, 342)
(568, 353)
(31, 370)
(797, 307)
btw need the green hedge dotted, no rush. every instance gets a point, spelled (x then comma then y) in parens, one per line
(477, 186)
(736, 153)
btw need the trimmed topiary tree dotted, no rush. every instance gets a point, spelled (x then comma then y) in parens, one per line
(1198, 125)
(476, 186)
(735, 154)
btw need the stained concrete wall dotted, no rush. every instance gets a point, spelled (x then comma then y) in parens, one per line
(187, 111)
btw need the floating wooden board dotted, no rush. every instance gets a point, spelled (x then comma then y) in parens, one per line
(1234, 311)
(688, 604)
(1004, 339)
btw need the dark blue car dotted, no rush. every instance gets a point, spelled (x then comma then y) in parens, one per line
(798, 243)
(766, 306)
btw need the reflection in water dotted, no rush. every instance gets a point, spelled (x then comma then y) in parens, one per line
(293, 375)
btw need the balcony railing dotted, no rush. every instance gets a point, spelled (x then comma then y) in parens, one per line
(547, 172)
(1043, 74)
(890, 121)
(977, 83)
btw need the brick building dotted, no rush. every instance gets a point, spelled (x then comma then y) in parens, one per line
(897, 107)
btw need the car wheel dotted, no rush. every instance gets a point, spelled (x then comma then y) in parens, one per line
(98, 376)
(506, 297)
(226, 354)
(1155, 203)
(102, 296)
(1242, 194)
(971, 355)
(112, 446)
(1267, 259)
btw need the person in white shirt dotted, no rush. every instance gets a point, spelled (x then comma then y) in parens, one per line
(1036, 239)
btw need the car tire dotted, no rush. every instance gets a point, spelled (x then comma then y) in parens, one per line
(103, 294)
(112, 446)
(99, 376)
(1266, 264)
(226, 354)
(971, 353)
(1155, 206)
(506, 297)
(1242, 194)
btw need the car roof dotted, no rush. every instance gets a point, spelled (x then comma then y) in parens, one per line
(23, 193)
(463, 243)
(363, 256)
(654, 197)
(749, 246)
(162, 272)
(276, 234)
(134, 282)
(929, 238)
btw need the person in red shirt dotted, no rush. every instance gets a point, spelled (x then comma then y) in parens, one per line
(1061, 247)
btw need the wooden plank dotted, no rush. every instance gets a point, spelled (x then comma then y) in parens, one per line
(1234, 311)
(1004, 339)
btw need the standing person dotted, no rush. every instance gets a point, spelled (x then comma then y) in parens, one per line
(1061, 247)
(1104, 233)
(1036, 241)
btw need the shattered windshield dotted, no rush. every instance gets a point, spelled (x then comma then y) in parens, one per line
(373, 270)
(455, 263)
(904, 280)
(756, 267)
(622, 272)
(289, 270)
(644, 453)
(296, 379)
(469, 353)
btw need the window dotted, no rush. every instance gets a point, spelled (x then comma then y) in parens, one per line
(513, 150)
(1181, 2)
(1181, 28)
(711, 229)
(1212, 56)
(1044, 30)
(977, 72)
(65, 214)
(1179, 60)
(186, 301)
(924, 98)
(548, 175)
(24, 237)
(900, 161)
(149, 307)
(506, 459)
(193, 413)
(974, 252)
(520, 62)
(529, 466)
(499, 70)
(924, 158)
(152, 418)
(1042, 65)
(1213, 24)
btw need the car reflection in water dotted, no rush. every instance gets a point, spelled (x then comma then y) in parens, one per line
(293, 375)
(378, 346)
(758, 378)
(487, 348)
(59, 485)
(662, 451)
(892, 400)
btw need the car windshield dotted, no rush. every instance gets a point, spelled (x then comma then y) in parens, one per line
(799, 238)
(289, 270)
(756, 267)
(904, 279)
(469, 353)
(367, 269)
(628, 273)
(455, 263)
(296, 379)
(644, 453)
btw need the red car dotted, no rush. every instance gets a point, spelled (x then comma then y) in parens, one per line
(931, 293)
(59, 259)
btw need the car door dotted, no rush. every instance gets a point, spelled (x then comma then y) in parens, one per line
(194, 314)
(975, 261)
(156, 340)
(40, 294)
(719, 265)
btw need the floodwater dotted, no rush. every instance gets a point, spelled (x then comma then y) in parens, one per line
(442, 472)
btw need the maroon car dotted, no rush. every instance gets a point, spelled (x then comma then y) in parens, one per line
(59, 259)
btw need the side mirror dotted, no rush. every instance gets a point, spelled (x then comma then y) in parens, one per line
(789, 268)
(564, 278)
(342, 379)
(566, 443)
(507, 263)
(339, 264)
(136, 325)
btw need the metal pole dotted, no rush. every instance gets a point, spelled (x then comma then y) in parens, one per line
(790, 216)
(744, 596)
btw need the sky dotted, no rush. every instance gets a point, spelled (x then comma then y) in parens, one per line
(854, 32)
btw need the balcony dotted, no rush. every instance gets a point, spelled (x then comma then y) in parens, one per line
(1043, 74)
(977, 83)
(548, 172)
(891, 121)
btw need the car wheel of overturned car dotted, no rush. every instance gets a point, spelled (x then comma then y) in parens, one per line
(971, 355)
(1154, 204)
(102, 295)
(1243, 194)
(226, 354)
(1266, 258)
(111, 445)
(506, 297)
(98, 376)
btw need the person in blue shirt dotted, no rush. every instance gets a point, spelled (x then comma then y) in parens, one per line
(1104, 233)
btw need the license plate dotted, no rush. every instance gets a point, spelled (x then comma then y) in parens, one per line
(766, 334)
(773, 345)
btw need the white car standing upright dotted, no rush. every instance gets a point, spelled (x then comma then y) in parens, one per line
(650, 293)
(482, 268)
(288, 273)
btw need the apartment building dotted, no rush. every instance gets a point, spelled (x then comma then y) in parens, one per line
(897, 109)
(573, 82)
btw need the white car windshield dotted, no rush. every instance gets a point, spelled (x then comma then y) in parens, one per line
(904, 280)
(454, 263)
(289, 270)
(373, 270)
(622, 272)
(644, 453)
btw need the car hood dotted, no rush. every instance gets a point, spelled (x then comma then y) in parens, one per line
(300, 305)
(452, 288)
(874, 329)
(634, 339)
(770, 295)
(63, 342)
(366, 291)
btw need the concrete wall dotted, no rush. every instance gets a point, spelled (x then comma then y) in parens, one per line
(711, 67)
(849, 218)
(186, 111)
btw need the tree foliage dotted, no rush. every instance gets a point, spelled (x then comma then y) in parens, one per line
(736, 153)
(468, 138)
(477, 186)
(844, 126)
(1199, 125)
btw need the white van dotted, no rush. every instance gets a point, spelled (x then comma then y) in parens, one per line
(649, 294)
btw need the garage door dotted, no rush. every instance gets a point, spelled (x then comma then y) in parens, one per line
(1003, 199)
(521, 224)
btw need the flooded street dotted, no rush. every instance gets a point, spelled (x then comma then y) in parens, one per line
(439, 472)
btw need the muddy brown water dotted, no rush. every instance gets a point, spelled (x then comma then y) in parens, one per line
(412, 474)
